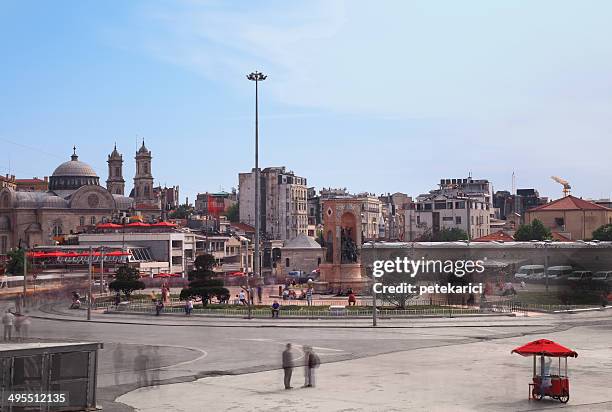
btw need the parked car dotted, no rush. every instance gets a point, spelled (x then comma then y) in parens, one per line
(603, 276)
(530, 272)
(580, 276)
(558, 272)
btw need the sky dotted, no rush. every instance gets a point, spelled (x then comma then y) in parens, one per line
(381, 96)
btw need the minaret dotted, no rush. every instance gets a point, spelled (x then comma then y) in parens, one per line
(143, 180)
(115, 183)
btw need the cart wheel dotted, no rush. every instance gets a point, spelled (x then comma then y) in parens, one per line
(535, 394)
(564, 398)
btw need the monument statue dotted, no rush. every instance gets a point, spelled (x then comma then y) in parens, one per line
(349, 250)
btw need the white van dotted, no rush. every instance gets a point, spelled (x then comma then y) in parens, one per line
(559, 272)
(530, 272)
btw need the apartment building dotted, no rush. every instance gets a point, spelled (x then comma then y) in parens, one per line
(435, 212)
(284, 200)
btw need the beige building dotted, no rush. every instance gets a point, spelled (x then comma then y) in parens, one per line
(435, 212)
(301, 253)
(284, 212)
(573, 218)
(371, 215)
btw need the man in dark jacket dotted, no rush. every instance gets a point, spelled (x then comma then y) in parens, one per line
(312, 362)
(288, 365)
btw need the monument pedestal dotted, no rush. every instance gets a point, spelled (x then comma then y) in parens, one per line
(340, 277)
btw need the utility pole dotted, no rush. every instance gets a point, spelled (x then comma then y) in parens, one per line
(102, 269)
(89, 285)
(25, 276)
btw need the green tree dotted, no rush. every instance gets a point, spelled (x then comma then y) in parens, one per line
(15, 262)
(201, 282)
(444, 235)
(603, 233)
(534, 231)
(181, 212)
(450, 235)
(127, 280)
(233, 213)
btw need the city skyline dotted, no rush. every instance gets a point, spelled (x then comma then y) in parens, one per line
(487, 99)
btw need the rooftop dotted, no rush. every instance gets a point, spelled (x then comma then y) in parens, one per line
(569, 203)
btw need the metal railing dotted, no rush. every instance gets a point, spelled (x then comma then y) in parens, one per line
(314, 311)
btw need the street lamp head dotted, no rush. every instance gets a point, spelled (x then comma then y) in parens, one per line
(256, 76)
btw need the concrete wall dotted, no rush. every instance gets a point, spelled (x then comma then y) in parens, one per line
(579, 255)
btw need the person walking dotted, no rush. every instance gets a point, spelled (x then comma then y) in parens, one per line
(188, 307)
(287, 365)
(242, 297)
(312, 361)
(159, 306)
(309, 292)
(8, 320)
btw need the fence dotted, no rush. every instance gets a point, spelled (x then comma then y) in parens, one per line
(319, 311)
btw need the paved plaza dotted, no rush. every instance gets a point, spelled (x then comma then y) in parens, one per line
(404, 364)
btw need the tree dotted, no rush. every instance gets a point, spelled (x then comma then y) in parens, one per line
(201, 282)
(534, 231)
(603, 233)
(233, 212)
(127, 280)
(181, 212)
(15, 262)
(450, 235)
(444, 235)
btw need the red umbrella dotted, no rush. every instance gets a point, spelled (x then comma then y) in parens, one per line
(108, 225)
(138, 224)
(163, 224)
(545, 347)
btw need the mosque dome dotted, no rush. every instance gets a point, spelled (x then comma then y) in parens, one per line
(73, 174)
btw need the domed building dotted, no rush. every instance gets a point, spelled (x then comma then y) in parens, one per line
(74, 202)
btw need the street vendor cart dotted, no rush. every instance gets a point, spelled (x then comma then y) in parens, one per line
(546, 383)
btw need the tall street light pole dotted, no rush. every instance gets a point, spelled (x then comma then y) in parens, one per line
(256, 77)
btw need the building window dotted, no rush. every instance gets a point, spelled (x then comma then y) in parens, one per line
(458, 220)
(440, 205)
(92, 221)
(559, 221)
(427, 206)
(82, 221)
(286, 262)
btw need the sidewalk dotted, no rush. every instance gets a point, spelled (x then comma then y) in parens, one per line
(481, 376)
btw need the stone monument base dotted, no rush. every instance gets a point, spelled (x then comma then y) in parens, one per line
(340, 277)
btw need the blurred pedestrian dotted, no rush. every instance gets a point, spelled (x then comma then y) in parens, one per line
(309, 293)
(141, 364)
(242, 297)
(118, 362)
(311, 361)
(259, 294)
(188, 307)
(287, 365)
(275, 309)
(352, 300)
(8, 320)
(159, 306)
(117, 299)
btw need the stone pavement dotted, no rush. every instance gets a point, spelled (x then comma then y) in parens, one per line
(481, 376)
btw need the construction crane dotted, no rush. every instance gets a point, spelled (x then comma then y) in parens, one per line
(567, 189)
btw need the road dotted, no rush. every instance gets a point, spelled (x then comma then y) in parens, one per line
(183, 350)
